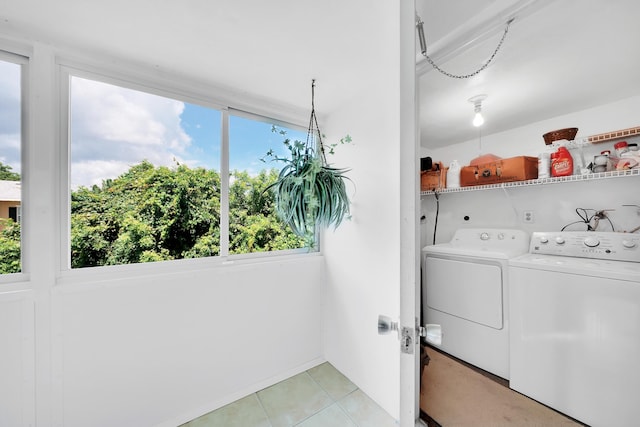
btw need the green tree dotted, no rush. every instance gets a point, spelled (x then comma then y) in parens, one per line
(92, 228)
(147, 214)
(158, 213)
(253, 224)
(9, 246)
(6, 173)
(9, 232)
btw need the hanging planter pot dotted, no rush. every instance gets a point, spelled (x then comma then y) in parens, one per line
(309, 193)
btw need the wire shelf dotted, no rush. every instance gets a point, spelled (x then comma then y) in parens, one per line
(541, 181)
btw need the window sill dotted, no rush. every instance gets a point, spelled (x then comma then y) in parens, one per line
(114, 273)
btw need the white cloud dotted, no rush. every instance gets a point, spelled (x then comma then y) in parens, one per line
(10, 151)
(114, 128)
(10, 82)
(92, 172)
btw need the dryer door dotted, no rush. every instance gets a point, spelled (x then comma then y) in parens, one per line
(467, 288)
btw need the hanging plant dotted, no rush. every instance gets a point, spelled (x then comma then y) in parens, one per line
(309, 193)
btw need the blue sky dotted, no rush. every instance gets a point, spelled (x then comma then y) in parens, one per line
(249, 139)
(203, 126)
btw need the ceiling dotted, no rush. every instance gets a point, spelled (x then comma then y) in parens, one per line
(268, 49)
(559, 55)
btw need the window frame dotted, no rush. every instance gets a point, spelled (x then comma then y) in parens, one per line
(160, 87)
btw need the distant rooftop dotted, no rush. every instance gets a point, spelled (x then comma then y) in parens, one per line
(10, 191)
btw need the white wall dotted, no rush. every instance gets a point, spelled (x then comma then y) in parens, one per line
(363, 255)
(553, 204)
(553, 207)
(528, 141)
(17, 387)
(164, 349)
(363, 277)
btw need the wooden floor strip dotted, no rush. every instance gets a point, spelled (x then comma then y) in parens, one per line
(455, 395)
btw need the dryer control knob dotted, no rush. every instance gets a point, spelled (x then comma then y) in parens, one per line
(544, 239)
(628, 244)
(560, 240)
(591, 242)
(484, 236)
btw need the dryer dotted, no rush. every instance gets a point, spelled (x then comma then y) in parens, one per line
(465, 289)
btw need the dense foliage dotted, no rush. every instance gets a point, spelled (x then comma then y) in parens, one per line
(6, 173)
(159, 213)
(253, 224)
(9, 246)
(155, 213)
(9, 232)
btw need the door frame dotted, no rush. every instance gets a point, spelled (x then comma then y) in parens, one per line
(409, 215)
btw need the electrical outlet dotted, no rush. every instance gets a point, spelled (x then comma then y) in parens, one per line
(527, 216)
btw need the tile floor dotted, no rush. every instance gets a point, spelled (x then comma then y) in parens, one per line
(319, 397)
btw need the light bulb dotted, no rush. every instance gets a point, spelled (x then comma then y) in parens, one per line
(478, 120)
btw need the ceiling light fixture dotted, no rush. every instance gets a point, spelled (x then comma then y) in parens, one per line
(478, 120)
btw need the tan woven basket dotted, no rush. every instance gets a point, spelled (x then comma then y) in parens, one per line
(556, 135)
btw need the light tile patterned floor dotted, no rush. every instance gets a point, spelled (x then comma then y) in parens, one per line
(319, 397)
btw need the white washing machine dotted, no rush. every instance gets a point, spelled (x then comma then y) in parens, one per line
(465, 290)
(575, 325)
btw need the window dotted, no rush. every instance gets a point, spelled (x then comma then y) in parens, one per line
(10, 162)
(252, 225)
(146, 179)
(15, 213)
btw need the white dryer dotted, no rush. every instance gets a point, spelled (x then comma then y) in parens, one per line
(465, 289)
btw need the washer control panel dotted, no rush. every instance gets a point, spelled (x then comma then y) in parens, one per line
(587, 244)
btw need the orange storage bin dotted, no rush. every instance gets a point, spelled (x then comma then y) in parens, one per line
(435, 179)
(518, 168)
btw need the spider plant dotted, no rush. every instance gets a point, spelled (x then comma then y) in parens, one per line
(309, 193)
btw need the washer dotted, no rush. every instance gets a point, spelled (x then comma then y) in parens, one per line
(575, 325)
(465, 290)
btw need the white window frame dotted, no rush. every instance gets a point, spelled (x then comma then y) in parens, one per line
(69, 69)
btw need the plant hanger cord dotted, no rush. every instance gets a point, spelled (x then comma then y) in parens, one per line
(313, 126)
